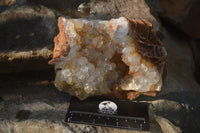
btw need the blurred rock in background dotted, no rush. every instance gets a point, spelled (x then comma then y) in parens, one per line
(183, 15)
(26, 36)
(7, 2)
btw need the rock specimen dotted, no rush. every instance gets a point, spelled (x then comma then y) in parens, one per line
(120, 58)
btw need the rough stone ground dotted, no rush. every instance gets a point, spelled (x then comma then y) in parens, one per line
(29, 102)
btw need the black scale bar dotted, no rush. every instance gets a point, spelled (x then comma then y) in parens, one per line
(130, 115)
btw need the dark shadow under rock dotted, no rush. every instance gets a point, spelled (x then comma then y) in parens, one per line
(23, 114)
(26, 36)
(196, 54)
(25, 28)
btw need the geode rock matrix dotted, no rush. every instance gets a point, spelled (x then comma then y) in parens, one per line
(120, 58)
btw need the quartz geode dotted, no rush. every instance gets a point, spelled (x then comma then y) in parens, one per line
(119, 58)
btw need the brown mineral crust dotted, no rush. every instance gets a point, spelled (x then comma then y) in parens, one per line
(124, 94)
(133, 95)
(147, 44)
(150, 93)
(61, 43)
(129, 94)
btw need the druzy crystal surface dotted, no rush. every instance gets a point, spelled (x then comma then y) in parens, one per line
(119, 58)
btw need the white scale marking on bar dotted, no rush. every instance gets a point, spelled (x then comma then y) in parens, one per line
(117, 123)
(68, 119)
(123, 117)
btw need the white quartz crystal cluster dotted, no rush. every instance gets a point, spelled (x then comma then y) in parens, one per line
(102, 58)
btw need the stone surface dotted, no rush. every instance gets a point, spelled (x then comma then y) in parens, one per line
(65, 7)
(22, 48)
(167, 126)
(108, 58)
(32, 126)
(25, 60)
(182, 14)
(101, 9)
(7, 2)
